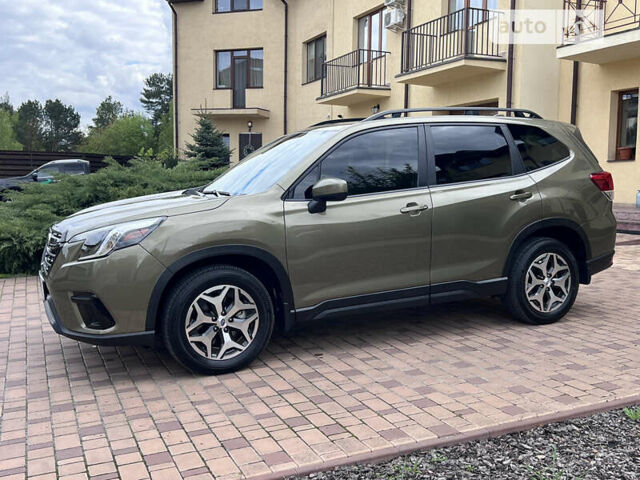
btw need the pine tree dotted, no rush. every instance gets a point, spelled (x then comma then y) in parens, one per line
(208, 145)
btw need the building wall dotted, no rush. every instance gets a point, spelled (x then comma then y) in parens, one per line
(541, 82)
(597, 117)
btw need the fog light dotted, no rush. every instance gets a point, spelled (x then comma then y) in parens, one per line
(93, 312)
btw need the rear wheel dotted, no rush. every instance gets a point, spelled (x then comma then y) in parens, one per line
(217, 320)
(543, 282)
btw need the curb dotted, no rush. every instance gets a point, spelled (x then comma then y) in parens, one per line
(473, 435)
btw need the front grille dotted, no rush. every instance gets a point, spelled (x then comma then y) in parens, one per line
(51, 250)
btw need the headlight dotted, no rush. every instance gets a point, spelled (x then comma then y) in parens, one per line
(101, 242)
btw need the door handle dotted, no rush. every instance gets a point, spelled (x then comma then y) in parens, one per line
(413, 208)
(521, 196)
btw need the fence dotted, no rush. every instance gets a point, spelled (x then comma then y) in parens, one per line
(18, 163)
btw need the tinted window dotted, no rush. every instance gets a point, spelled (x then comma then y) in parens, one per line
(303, 188)
(537, 147)
(464, 153)
(48, 171)
(378, 161)
(73, 168)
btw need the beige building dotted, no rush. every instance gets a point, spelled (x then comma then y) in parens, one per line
(262, 68)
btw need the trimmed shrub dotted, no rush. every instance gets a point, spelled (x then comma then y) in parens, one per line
(26, 218)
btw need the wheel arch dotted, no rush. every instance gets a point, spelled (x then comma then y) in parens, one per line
(563, 230)
(260, 263)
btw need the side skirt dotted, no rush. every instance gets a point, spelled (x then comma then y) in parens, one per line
(405, 298)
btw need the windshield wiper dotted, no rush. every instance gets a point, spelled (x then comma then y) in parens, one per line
(217, 193)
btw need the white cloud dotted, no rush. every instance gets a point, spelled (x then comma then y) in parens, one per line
(81, 51)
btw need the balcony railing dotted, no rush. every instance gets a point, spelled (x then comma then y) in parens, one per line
(587, 19)
(357, 69)
(466, 33)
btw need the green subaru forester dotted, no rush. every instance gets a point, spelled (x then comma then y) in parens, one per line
(393, 211)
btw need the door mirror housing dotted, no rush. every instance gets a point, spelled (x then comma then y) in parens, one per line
(34, 176)
(327, 190)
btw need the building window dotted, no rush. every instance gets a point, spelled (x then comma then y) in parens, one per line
(455, 5)
(237, 5)
(627, 137)
(239, 68)
(371, 32)
(316, 55)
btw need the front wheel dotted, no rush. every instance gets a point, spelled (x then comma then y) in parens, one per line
(217, 320)
(543, 282)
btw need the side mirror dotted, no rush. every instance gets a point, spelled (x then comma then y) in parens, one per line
(34, 176)
(327, 190)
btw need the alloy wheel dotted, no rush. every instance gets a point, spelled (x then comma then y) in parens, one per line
(548, 282)
(222, 322)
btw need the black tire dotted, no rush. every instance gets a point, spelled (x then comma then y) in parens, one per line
(184, 294)
(516, 299)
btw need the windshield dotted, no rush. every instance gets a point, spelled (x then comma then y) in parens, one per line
(263, 168)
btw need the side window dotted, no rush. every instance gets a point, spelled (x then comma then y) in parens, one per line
(378, 161)
(73, 169)
(303, 189)
(537, 147)
(49, 171)
(465, 153)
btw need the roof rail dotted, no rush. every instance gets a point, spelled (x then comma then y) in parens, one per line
(338, 120)
(517, 112)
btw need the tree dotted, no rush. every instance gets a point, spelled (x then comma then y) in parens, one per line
(208, 145)
(165, 132)
(5, 103)
(7, 135)
(128, 135)
(29, 126)
(107, 113)
(60, 127)
(156, 96)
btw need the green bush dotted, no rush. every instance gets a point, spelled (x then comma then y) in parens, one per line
(26, 218)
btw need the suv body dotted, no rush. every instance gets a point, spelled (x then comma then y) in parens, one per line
(46, 172)
(382, 213)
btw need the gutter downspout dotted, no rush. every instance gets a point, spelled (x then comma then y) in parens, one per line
(510, 56)
(286, 61)
(175, 78)
(409, 22)
(574, 92)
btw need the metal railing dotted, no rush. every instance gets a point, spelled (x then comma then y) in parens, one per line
(469, 32)
(587, 19)
(358, 69)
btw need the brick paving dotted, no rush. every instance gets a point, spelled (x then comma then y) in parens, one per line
(343, 390)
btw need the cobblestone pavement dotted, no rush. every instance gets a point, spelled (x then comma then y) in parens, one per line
(345, 390)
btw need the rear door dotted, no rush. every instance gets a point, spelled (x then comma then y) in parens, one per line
(482, 198)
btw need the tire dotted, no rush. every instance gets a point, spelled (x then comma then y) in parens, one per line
(195, 333)
(535, 298)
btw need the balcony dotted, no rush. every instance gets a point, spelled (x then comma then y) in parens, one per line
(444, 50)
(356, 77)
(224, 104)
(600, 31)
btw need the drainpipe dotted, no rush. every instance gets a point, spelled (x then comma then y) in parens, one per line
(409, 20)
(510, 56)
(574, 92)
(286, 60)
(175, 78)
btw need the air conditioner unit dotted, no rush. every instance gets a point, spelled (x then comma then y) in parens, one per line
(394, 19)
(394, 3)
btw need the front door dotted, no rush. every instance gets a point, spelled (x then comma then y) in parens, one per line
(481, 200)
(375, 241)
(249, 143)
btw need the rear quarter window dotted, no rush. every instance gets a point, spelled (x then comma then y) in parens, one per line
(538, 148)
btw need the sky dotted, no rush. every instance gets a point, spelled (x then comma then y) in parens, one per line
(81, 51)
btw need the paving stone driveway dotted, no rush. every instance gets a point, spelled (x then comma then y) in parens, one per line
(338, 391)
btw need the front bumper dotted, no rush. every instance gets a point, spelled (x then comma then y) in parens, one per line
(142, 338)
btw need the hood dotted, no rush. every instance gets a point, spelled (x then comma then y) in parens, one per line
(159, 205)
(14, 181)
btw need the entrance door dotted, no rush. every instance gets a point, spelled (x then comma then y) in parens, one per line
(249, 143)
(239, 82)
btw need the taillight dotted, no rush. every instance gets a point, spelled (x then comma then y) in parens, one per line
(604, 182)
